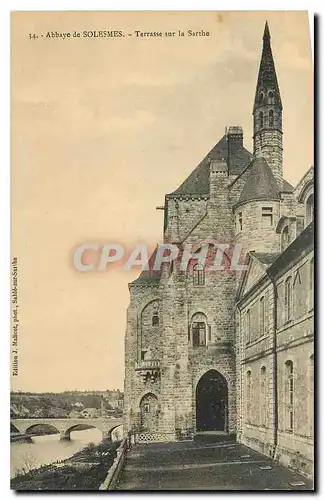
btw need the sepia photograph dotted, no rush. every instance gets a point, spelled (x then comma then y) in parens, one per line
(162, 251)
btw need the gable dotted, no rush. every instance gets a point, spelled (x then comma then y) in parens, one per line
(255, 271)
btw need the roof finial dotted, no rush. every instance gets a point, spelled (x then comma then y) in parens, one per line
(266, 34)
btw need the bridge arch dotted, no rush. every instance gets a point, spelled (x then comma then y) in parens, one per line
(64, 426)
(109, 435)
(66, 433)
(13, 428)
(29, 430)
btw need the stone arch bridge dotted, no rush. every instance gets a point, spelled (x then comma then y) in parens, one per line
(65, 426)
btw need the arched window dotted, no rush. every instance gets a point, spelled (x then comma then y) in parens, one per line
(285, 238)
(261, 119)
(248, 396)
(311, 286)
(271, 119)
(289, 396)
(271, 97)
(148, 412)
(263, 396)
(199, 333)
(288, 298)
(309, 209)
(311, 395)
(199, 327)
(261, 96)
(155, 319)
(198, 274)
(248, 327)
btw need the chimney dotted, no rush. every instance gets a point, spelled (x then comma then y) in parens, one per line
(234, 139)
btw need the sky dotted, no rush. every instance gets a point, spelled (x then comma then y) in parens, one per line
(102, 129)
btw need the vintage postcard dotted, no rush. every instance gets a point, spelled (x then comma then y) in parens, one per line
(162, 255)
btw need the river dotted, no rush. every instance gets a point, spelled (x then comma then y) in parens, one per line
(47, 449)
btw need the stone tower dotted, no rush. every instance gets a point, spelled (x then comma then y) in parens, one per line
(180, 343)
(267, 112)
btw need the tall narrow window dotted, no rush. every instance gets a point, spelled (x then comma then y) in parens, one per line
(271, 97)
(288, 299)
(267, 216)
(199, 333)
(271, 120)
(311, 395)
(155, 319)
(261, 120)
(289, 396)
(263, 396)
(240, 222)
(262, 316)
(248, 327)
(284, 238)
(311, 285)
(198, 274)
(248, 396)
(300, 224)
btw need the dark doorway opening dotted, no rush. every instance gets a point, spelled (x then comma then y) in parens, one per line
(212, 402)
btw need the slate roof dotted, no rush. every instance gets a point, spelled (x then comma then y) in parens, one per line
(149, 276)
(265, 258)
(260, 183)
(286, 186)
(301, 245)
(198, 181)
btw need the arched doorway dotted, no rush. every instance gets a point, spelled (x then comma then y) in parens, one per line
(212, 402)
(149, 412)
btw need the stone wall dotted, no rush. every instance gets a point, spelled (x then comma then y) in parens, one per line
(284, 341)
(295, 344)
(268, 143)
(256, 233)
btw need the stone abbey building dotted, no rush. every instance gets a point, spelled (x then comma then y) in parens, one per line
(211, 350)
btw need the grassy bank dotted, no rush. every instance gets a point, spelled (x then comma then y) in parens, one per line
(85, 470)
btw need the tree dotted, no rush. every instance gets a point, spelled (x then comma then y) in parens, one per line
(29, 464)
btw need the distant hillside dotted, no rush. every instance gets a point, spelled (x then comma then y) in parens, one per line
(63, 404)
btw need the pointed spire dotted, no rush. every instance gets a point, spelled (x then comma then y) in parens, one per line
(267, 78)
(266, 34)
